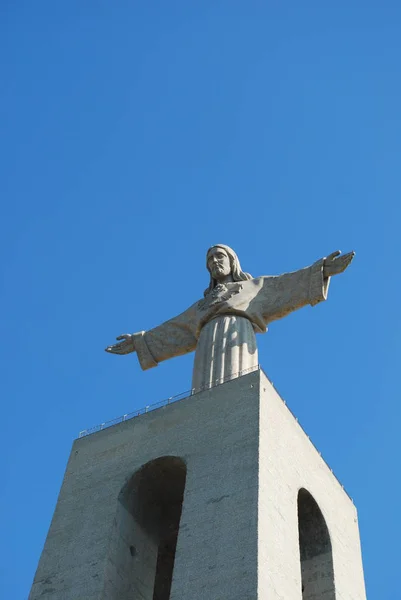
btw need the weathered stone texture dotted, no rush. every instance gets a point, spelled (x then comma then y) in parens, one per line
(288, 461)
(246, 459)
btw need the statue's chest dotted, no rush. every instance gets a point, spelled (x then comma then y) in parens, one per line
(220, 294)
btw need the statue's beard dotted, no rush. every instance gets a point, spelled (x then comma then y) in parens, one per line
(218, 272)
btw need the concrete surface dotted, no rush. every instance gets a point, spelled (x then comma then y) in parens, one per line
(246, 459)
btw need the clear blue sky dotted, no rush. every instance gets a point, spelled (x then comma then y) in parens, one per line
(136, 134)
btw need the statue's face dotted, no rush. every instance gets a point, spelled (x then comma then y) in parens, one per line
(218, 263)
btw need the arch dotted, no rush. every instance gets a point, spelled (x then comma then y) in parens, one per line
(146, 530)
(315, 550)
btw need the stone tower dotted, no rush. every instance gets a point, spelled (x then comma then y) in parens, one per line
(219, 496)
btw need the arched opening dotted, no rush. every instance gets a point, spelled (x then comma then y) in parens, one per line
(147, 524)
(315, 550)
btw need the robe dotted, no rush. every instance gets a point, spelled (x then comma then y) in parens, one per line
(221, 327)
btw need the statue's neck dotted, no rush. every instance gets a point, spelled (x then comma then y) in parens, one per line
(225, 279)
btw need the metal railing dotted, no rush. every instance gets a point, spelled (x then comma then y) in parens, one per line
(192, 392)
(165, 402)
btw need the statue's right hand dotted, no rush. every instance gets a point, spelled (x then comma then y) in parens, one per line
(124, 347)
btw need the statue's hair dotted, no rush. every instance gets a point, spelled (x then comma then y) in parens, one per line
(236, 272)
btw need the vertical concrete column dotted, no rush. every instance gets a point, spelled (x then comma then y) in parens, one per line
(246, 460)
(288, 463)
(88, 550)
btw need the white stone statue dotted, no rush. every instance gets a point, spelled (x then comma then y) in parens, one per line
(221, 327)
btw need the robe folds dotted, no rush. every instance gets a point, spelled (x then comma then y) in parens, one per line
(221, 327)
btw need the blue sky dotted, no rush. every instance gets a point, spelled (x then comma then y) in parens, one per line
(134, 136)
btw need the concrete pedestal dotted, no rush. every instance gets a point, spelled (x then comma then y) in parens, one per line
(258, 513)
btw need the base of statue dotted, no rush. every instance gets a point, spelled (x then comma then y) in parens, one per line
(220, 495)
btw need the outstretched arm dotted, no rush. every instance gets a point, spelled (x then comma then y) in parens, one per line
(172, 338)
(286, 293)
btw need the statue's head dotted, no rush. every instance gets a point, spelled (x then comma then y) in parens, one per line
(221, 261)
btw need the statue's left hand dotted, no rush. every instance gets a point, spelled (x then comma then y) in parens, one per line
(336, 263)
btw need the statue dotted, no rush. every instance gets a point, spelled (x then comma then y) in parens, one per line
(221, 327)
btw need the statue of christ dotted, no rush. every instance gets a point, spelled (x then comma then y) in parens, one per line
(221, 326)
